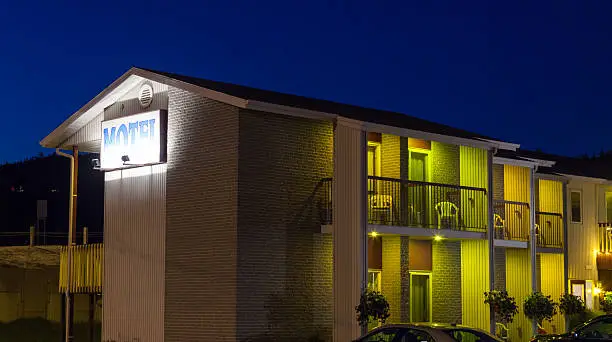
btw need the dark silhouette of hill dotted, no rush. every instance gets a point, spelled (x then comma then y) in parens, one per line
(23, 183)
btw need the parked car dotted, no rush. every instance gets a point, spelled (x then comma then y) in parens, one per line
(427, 332)
(596, 329)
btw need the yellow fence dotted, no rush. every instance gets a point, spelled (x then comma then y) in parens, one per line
(86, 269)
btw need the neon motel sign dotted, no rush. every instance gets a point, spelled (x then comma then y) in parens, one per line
(134, 140)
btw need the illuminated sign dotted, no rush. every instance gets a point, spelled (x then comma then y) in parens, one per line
(133, 140)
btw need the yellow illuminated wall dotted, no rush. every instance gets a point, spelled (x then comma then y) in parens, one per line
(518, 285)
(474, 283)
(517, 185)
(550, 196)
(473, 172)
(551, 284)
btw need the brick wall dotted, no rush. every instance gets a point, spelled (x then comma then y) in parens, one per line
(444, 163)
(395, 277)
(390, 156)
(284, 263)
(446, 279)
(500, 268)
(201, 240)
(498, 182)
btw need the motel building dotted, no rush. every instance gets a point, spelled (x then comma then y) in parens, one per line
(234, 214)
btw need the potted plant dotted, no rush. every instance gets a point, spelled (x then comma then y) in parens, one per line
(571, 305)
(503, 307)
(538, 308)
(373, 307)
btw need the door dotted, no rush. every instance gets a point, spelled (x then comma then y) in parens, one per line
(420, 297)
(418, 172)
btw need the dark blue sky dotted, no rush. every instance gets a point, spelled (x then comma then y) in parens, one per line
(533, 72)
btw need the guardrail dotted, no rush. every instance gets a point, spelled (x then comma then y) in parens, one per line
(511, 220)
(549, 229)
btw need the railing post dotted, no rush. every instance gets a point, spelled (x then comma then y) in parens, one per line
(32, 236)
(85, 235)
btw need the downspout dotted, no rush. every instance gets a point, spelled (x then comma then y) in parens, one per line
(533, 240)
(70, 242)
(565, 250)
(491, 223)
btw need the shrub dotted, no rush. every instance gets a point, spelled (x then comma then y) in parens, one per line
(571, 305)
(504, 307)
(539, 307)
(372, 306)
(606, 302)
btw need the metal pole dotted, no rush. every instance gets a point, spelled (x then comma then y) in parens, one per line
(68, 316)
(532, 240)
(491, 234)
(32, 236)
(85, 237)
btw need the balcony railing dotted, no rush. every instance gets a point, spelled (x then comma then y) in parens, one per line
(511, 220)
(417, 204)
(86, 269)
(605, 237)
(549, 229)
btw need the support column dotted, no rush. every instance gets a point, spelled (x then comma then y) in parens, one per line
(490, 235)
(533, 240)
(565, 251)
(349, 226)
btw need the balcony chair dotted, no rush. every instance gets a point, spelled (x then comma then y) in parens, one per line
(500, 227)
(449, 211)
(380, 205)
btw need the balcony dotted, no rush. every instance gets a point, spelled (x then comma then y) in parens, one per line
(395, 202)
(605, 237)
(549, 230)
(511, 220)
(86, 269)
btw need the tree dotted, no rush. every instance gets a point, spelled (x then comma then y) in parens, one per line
(539, 307)
(373, 306)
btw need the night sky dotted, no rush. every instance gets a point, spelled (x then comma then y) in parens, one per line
(534, 72)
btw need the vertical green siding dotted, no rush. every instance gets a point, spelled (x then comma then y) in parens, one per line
(552, 284)
(474, 283)
(518, 285)
(473, 172)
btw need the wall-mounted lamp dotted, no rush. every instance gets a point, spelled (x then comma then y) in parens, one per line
(125, 159)
(95, 164)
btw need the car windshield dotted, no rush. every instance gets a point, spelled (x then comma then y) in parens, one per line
(469, 335)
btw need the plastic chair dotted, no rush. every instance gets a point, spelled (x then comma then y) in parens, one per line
(500, 225)
(380, 204)
(447, 210)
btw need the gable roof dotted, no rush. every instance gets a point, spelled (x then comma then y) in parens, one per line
(258, 99)
(346, 110)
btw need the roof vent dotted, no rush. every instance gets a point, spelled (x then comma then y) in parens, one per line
(145, 95)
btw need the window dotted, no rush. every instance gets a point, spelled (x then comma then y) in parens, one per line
(576, 202)
(384, 335)
(599, 330)
(374, 283)
(461, 335)
(413, 335)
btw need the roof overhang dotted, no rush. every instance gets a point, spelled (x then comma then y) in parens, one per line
(133, 76)
(587, 179)
(516, 162)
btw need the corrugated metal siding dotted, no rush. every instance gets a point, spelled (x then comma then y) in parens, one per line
(90, 134)
(583, 237)
(349, 225)
(552, 285)
(518, 285)
(474, 173)
(87, 265)
(201, 241)
(550, 196)
(474, 283)
(134, 243)
(517, 184)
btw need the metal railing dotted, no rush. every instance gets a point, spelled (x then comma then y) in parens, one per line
(407, 203)
(605, 237)
(30, 238)
(549, 229)
(511, 220)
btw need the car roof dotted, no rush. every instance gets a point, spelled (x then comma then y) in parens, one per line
(434, 329)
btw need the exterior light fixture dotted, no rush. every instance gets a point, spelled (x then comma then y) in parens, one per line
(596, 290)
(373, 234)
(595, 251)
(438, 238)
(125, 159)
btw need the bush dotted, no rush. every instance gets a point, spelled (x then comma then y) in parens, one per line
(539, 307)
(571, 305)
(606, 302)
(504, 307)
(372, 306)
